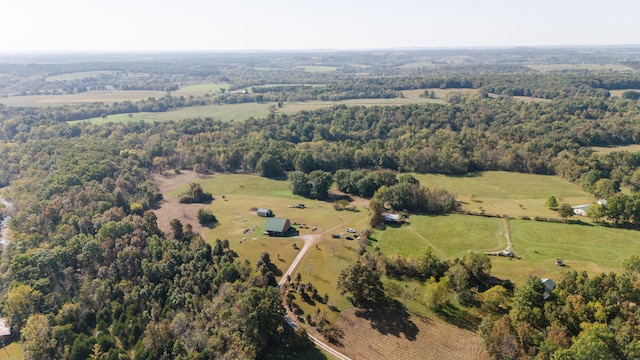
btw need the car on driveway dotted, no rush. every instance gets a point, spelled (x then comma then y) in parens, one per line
(350, 230)
(348, 237)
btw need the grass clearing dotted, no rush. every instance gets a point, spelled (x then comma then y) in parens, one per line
(317, 68)
(450, 236)
(81, 75)
(201, 89)
(241, 112)
(12, 351)
(607, 150)
(618, 93)
(104, 96)
(227, 112)
(594, 67)
(506, 193)
(588, 248)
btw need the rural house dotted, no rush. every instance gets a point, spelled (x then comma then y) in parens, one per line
(265, 212)
(276, 226)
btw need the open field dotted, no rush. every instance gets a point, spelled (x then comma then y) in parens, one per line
(606, 150)
(619, 93)
(106, 96)
(422, 338)
(450, 236)
(559, 67)
(201, 89)
(227, 112)
(582, 247)
(241, 112)
(317, 68)
(12, 351)
(506, 193)
(80, 75)
(538, 243)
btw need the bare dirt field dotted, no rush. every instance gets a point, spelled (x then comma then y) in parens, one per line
(424, 339)
(171, 209)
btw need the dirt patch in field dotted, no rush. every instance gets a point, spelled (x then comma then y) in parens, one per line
(433, 339)
(171, 209)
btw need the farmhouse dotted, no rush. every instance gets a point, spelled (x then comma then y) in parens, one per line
(549, 285)
(265, 212)
(276, 226)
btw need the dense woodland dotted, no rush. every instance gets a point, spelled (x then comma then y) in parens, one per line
(88, 272)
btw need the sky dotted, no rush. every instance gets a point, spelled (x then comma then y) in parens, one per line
(29, 26)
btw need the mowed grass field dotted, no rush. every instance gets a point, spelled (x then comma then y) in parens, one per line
(588, 248)
(225, 112)
(506, 193)
(105, 96)
(449, 235)
(600, 67)
(241, 112)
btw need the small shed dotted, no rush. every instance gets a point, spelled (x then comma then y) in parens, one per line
(265, 212)
(277, 227)
(580, 210)
(392, 218)
(549, 285)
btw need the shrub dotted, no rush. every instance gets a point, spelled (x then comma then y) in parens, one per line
(206, 217)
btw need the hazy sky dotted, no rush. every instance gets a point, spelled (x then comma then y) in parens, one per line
(141, 25)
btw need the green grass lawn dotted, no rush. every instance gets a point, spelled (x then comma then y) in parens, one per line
(588, 248)
(318, 68)
(201, 89)
(225, 112)
(241, 112)
(449, 235)
(506, 193)
(105, 96)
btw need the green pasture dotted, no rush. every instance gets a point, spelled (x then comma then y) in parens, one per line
(104, 96)
(241, 112)
(80, 75)
(607, 150)
(449, 235)
(507, 193)
(595, 67)
(318, 68)
(201, 89)
(225, 112)
(588, 248)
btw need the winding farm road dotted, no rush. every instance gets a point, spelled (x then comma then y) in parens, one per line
(309, 241)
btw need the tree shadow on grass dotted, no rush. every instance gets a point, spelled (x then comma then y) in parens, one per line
(459, 317)
(391, 318)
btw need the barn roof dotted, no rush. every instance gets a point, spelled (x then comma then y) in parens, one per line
(275, 225)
